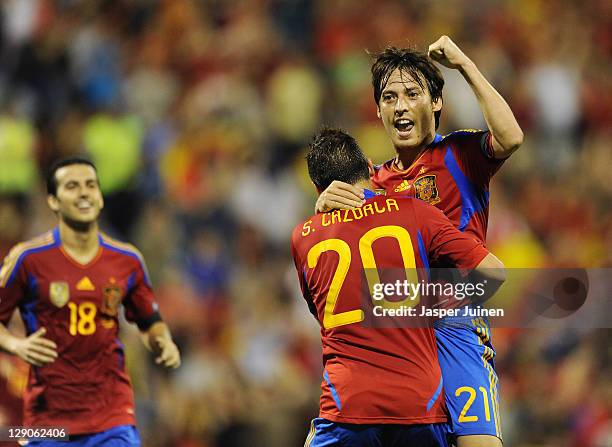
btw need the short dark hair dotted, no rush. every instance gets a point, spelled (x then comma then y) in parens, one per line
(334, 155)
(58, 164)
(420, 67)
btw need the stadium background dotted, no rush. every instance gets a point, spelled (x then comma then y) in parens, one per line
(197, 114)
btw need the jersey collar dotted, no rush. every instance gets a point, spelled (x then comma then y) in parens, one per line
(394, 167)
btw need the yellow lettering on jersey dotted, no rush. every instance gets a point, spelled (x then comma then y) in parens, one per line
(368, 209)
(336, 217)
(85, 284)
(378, 210)
(325, 220)
(346, 218)
(392, 203)
(82, 318)
(306, 229)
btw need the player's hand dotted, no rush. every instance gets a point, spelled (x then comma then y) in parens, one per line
(35, 349)
(447, 53)
(339, 195)
(169, 355)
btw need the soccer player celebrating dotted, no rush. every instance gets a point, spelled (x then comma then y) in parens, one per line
(382, 384)
(453, 174)
(69, 285)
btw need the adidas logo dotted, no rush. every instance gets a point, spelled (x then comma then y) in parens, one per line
(85, 284)
(402, 186)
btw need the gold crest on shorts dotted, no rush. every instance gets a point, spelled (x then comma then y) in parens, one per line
(425, 188)
(59, 293)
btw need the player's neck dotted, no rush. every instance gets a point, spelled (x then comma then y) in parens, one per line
(80, 242)
(406, 157)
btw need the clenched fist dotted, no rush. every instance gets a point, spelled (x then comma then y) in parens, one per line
(447, 53)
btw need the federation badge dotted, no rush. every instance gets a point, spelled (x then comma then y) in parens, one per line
(59, 293)
(111, 300)
(425, 189)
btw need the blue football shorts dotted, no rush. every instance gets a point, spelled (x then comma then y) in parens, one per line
(471, 386)
(325, 433)
(120, 436)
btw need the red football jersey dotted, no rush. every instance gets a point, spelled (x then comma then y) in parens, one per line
(453, 174)
(86, 389)
(375, 375)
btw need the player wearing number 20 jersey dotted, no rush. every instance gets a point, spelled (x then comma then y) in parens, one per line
(373, 375)
(376, 375)
(86, 389)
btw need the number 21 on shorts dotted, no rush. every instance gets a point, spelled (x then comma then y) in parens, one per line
(471, 392)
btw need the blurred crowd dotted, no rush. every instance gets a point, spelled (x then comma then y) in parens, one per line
(197, 114)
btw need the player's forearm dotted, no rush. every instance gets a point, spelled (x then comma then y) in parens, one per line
(156, 331)
(490, 272)
(506, 132)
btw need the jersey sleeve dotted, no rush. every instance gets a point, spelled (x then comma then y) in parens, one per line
(446, 245)
(139, 304)
(474, 152)
(13, 284)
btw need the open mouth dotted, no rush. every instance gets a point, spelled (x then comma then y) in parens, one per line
(404, 125)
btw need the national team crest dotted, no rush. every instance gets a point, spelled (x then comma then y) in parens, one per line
(59, 293)
(425, 188)
(111, 300)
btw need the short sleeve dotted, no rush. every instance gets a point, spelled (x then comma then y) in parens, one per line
(13, 284)
(474, 152)
(140, 306)
(445, 244)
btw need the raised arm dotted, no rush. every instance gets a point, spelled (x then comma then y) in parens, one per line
(507, 135)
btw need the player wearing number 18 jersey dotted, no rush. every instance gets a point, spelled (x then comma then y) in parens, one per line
(78, 305)
(389, 377)
(69, 286)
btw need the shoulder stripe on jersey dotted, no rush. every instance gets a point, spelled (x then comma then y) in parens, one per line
(20, 251)
(126, 249)
(462, 131)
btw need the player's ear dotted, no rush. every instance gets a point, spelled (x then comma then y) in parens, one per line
(437, 104)
(371, 167)
(53, 202)
(378, 111)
